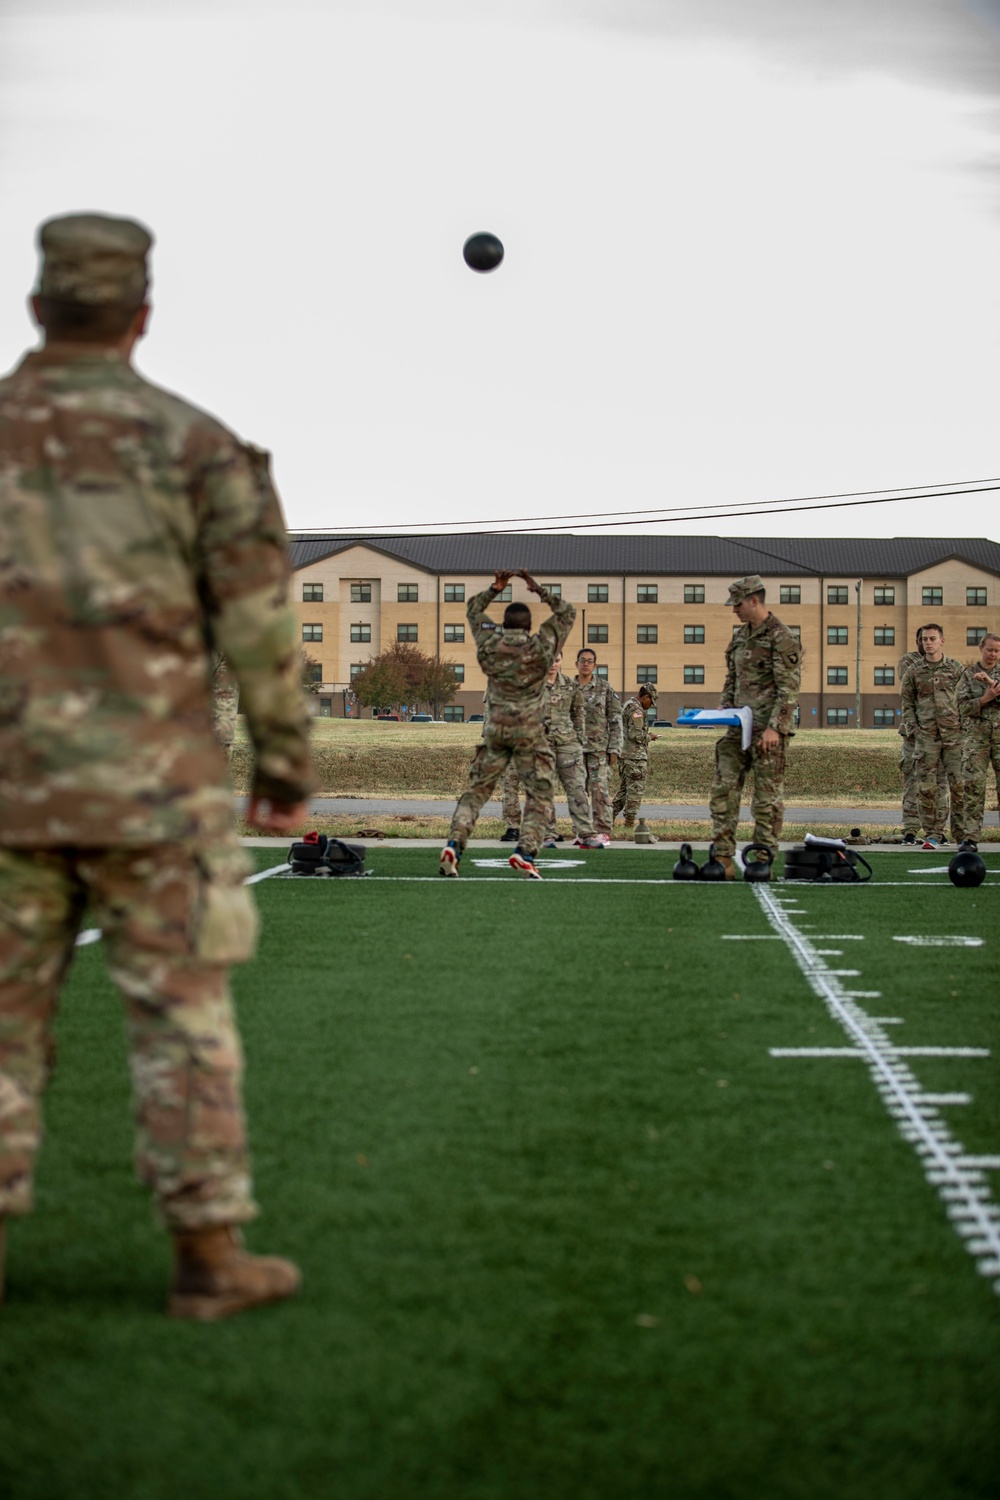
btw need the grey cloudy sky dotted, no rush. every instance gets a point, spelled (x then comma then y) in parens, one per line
(751, 247)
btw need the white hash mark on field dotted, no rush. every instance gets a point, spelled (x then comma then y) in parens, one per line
(963, 1189)
(94, 934)
(540, 864)
(921, 940)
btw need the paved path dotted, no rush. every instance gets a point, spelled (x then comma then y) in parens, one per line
(443, 807)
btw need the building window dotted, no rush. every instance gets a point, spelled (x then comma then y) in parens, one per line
(647, 635)
(885, 635)
(356, 667)
(315, 671)
(694, 593)
(459, 671)
(885, 718)
(836, 716)
(694, 635)
(312, 632)
(932, 596)
(790, 593)
(885, 676)
(454, 633)
(406, 632)
(597, 635)
(454, 713)
(504, 596)
(454, 593)
(694, 674)
(325, 708)
(836, 594)
(361, 593)
(406, 593)
(312, 593)
(836, 635)
(555, 589)
(836, 676)
(795, 630)
(361, 632)
(601, 671)
(647, 593)
(885, 594)
(645, 674)
(597, 593)
(974, 635)
(976, 597)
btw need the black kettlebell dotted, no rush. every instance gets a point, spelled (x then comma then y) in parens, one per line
(712, 869)
(760, 867)
(685, 868)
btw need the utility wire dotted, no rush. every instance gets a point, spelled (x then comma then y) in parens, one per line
(711, 511)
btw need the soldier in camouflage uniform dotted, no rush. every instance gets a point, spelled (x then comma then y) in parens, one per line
(564, 728)
(225, 703)
(931, 719)
(911, 803)
(137, 535)
(633, 766)
(516, 663)
(763, 670)
(510, 788)
(979, 710)
(602, 741)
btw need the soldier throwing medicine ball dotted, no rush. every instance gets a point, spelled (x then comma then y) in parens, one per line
(633, 766)
(763, 669)
(137, 537)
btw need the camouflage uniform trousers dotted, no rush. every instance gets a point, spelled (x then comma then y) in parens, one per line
(911, 800)
(571, 772)
(982, 750)
(933, 753)
(535, 765)
(731, 766)
(173, 920)
(598, 789)
(632, 775)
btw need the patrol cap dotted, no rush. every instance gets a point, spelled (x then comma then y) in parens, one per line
(744, 587)
(94, 259)
(648, 689)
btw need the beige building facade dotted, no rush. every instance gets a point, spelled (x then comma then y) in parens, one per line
(666, 627)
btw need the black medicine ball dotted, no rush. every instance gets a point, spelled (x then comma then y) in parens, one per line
(482, 252)
(967, 868)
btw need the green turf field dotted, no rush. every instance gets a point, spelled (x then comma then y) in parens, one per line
(588, 1203)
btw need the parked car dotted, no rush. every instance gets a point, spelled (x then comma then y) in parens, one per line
(663, 723)
(476, 719)
(390, 718)
(422, 719)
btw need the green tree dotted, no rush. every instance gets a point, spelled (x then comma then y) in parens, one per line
(403, 674)
(312, 673)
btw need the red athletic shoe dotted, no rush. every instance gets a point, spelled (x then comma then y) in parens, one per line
(523, 865)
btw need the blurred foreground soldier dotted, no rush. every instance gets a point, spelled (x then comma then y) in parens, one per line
(225, 703)
(633, 768)
(602, 738)
(931, 719)
(911, 802)
(516, 663)
(763, 669)
(564, 729)
(137, 537)
(979, 710)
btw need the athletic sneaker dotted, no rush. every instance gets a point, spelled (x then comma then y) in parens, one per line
(605, 839)
(560, 838)
(450, 856)
(524, 865)
(511, 836)
(550, 844)
(969, 844)
(930, 843)
(909, 838)
(596, 842)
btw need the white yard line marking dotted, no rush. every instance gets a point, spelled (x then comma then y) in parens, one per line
(990, 1163)
(944, 1098)
(921, 940)
(886, 1051)
(974, 1214)
(885, 1020)
(750, 937)
(94, 934)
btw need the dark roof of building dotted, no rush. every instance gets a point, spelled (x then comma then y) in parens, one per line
(549, 556)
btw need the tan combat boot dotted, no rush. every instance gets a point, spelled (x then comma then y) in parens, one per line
(214, 1277)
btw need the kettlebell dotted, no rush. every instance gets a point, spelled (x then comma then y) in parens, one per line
(685, 868)
(712, 869)
(759, 868)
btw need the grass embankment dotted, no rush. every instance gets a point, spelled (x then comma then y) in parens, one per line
(366, 759)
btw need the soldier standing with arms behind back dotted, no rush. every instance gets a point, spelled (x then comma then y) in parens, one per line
(137, 537)
(911, 801)
(763, 670)
(979, 710)
(931, 719)
(602, 738)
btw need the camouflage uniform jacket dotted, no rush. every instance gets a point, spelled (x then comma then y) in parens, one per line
(563, 712)
(137, 536)
(763, 670)
(975, 715)
(930, 696)
(603, 731)
(906, 661)
(636, 730)
(517, 663)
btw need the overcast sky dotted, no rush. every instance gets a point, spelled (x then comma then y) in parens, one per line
(752, 245)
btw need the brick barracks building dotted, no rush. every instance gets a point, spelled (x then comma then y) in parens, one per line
(654, 608)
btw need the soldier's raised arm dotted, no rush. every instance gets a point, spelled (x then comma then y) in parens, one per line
(555, 630)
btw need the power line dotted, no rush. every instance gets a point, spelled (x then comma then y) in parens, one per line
(711, 511)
